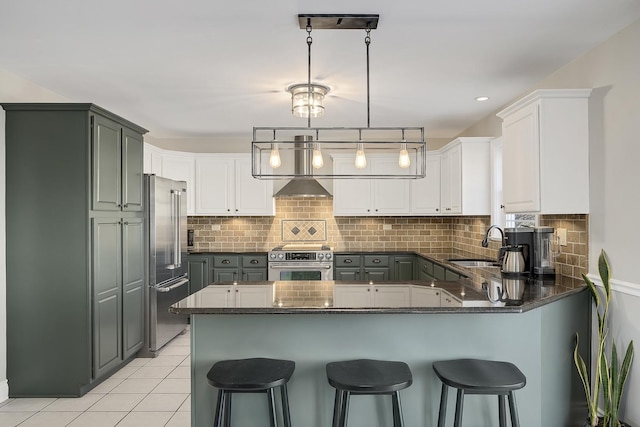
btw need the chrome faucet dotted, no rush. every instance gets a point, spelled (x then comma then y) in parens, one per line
(485, 241)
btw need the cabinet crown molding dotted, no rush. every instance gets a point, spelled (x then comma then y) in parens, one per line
(539, 94)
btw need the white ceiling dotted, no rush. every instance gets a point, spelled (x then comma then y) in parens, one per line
(212, 69)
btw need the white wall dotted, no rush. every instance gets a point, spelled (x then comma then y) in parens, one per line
(613, 71)
(12, 89)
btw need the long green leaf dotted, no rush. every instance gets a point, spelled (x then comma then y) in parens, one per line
(614, 401)
(603, 268)
(584, 377)
(624, 372)
(592, 289)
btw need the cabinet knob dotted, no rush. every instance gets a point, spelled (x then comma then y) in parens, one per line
(376, 290)
(348, 261)
(236, 210)
(228, 210)
(126, 205)
(501, 206)
(437, 210)
(378, 261)
(254, 261)
(226, 261)
(368, 210)
(376, 210)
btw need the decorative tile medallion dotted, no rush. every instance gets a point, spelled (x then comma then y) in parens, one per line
(313, 230)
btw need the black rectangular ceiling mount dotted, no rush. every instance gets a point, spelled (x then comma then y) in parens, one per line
(339, 21)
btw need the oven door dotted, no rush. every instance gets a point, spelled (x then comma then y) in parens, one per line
(300, 271)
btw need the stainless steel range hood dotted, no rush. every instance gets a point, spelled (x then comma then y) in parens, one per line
(304, 186)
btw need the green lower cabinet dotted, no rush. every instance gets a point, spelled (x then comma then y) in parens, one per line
(376, 274)
(225, 274)
(254, 274)
(132, 286)
(403, 267)
(198, 271)
(235, 267)
(347, 274)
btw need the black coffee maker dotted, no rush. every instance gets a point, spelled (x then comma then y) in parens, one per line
(521, 237)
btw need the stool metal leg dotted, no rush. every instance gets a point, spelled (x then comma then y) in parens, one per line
(513, 410)
(442, 415)
(227, 409)
(285, 406)
(217, 420)
(501, 411)
(397, 410)
(337, 408)
(345, 408)
(273, 422)
(459, 405)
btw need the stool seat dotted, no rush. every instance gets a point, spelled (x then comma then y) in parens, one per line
(250, 374)
(476, 376)
(257, 375)
(366, 376)
(482, 376)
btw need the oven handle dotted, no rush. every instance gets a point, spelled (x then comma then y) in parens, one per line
(300, 267)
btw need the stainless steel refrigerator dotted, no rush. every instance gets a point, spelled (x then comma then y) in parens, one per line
(166, 259)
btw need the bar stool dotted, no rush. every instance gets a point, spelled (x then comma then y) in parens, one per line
(474, 376)
(257, 375)
(366, 376)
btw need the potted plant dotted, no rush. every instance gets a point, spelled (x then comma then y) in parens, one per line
(610, 377)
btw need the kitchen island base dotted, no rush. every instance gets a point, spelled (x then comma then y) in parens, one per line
(539, 341)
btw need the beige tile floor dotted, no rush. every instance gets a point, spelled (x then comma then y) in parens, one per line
(145, 393)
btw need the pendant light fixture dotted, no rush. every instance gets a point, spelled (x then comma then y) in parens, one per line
(406, 144)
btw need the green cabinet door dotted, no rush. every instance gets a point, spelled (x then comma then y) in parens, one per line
(403, 267)
(254, 274)
(106, 164)
(107, 294)
(132, 285)
(225, 274)
(376, 274)
(132, 159)
(347, 274)
(198, 268)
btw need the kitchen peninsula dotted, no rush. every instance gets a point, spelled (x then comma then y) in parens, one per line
(302, 324)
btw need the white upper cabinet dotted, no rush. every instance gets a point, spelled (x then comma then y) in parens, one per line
(360, 197)
(465, 177)
(545, 143)
(425, 192)
(217, 184)
(181, 167)
(225, 186)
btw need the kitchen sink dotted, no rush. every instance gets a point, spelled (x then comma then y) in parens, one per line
(471, 262)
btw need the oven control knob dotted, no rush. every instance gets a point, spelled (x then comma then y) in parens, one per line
(328, 256)
(280, 256)
(272, 256)
(320, 256)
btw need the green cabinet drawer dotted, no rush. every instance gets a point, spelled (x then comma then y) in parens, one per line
(254, 261)
(376, 260)
(347, 261)
(226, 261)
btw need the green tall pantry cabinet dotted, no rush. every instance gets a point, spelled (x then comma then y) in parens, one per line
(75, 246)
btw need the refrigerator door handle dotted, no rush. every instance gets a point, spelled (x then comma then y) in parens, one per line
(177, 253)
(172, 287)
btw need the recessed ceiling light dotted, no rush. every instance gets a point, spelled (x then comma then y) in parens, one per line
(482, 98)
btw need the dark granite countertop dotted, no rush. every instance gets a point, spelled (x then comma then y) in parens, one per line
(291, 297)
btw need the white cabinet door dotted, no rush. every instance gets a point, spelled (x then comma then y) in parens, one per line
(391, 296)
(447, 300)
(451, 180)
(390, 196)
(350, 196)
(521, 160)
(352, 296)
(425, 192)
(253, 296)
(545, 143)
(181, 167)
(216, 296)
(422, 296)
(215, 186)
(152, 160)
(252, 196)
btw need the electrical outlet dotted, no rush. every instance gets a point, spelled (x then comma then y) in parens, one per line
(215, 227)
(562, 236)
(386, 226)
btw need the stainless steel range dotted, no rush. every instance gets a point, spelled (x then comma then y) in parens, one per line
(301, 262)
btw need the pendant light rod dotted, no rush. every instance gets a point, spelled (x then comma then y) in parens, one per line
(367, 41)
(309, 41)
